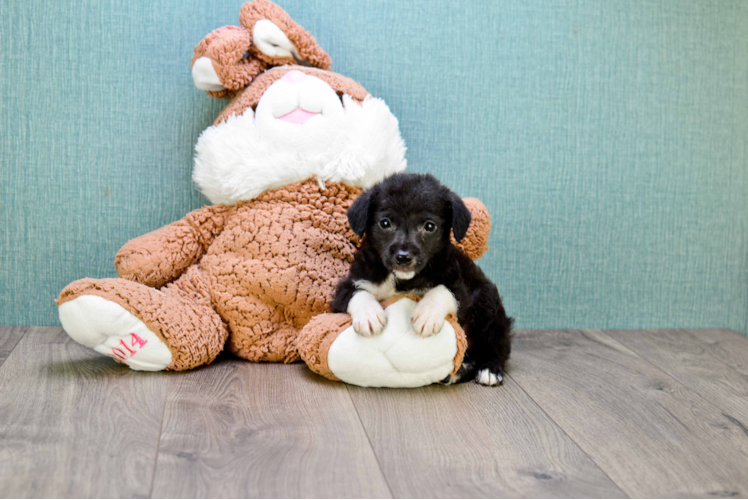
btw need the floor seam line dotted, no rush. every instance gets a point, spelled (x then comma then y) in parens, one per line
(567, 435)
(571, 438)
(10, 353)
(688, 387)
(158, 445)
(371, 446)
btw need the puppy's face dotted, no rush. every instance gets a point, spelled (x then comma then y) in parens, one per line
(407, 218)
(407, 239)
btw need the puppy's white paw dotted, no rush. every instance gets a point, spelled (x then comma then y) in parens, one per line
(369, 322)
(430, 313)
(486, 377)
(427, 322)
(367, 315)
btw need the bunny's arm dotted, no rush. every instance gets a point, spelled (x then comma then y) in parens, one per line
(475, 242)
(161, 256)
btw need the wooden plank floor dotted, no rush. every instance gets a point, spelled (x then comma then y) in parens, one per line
(582, 413)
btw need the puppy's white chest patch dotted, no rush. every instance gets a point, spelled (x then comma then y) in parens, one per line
(386, 289)
(381, 291)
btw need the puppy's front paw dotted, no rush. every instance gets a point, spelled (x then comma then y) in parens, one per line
(488, 377)
(427, 320)
(429, 315)
(367, 315)
(369, 319)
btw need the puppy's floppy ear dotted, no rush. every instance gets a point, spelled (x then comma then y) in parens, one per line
(358, 213)
(460, 216)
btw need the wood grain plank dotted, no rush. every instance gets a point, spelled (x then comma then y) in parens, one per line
(9, 337)
(239, 429)
(74, 423)
(651, 434)
(474, 441)
(712, 362)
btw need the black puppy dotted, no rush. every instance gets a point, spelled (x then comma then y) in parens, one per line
(406, 220)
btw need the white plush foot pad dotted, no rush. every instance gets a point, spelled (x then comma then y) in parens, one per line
(109, 329)
(395, 358)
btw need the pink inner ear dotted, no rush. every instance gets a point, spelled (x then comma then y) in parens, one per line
(297, 116)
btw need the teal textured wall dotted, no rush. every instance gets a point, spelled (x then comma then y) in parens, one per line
(608, 139)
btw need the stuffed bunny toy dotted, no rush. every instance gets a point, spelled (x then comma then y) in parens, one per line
(256, 271)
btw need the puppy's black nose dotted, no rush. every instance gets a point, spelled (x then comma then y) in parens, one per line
(403, 258)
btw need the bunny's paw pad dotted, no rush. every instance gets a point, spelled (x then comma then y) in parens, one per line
(109, 329)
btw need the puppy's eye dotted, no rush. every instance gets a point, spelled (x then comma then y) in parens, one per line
(429, 227)
(385, 224)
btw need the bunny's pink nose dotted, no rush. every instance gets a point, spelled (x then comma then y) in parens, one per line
(294, 76)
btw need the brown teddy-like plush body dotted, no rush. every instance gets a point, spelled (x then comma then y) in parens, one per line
(260, 270)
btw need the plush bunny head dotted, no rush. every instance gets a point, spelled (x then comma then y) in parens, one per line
(229, 58)
(288, 123)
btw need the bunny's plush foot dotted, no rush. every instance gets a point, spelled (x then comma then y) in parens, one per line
(174, 328)
(109, 329)
(397, 357)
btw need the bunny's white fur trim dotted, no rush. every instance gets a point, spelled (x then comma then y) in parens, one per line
(243, 157)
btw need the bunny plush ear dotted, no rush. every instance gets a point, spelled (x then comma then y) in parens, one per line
(221, 65)
(277, 40)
